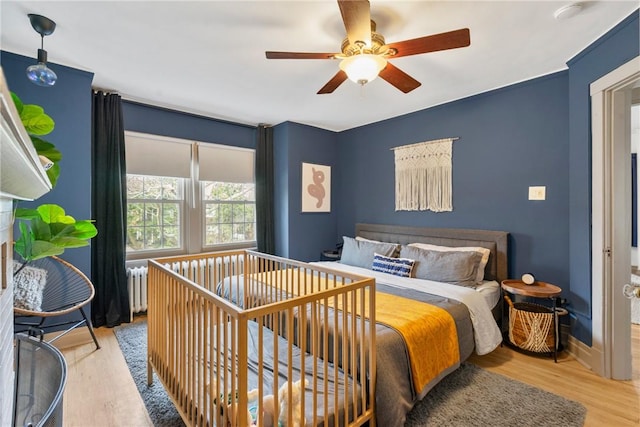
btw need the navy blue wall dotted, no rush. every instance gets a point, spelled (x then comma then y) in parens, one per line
(162, 121)
(68, 102)
(299, 235)
(617, 47)
(510, 139)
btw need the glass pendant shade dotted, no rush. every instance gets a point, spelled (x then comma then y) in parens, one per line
(363, 68)
(39, 73)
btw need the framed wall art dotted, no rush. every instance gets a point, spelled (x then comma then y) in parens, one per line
(316, 188)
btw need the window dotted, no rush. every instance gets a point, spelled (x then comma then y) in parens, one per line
(187, 197)
(230, 212)
(154, 212)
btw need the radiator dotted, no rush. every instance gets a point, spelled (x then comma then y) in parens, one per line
(195, 270)
(137, 283)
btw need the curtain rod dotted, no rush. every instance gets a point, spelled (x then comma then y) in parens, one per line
(455, 138)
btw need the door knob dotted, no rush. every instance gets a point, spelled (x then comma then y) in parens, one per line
(631, 291)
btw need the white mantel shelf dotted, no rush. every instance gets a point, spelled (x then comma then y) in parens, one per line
(21, 173)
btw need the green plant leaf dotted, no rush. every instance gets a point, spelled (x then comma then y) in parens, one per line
(40, 229)
(43, 249)
(17, 102)
(59, 230)
(24, 243)
(70, 242)
(53, 173)
(35, 120)
(26, 213)
(85, 229)
(47, 149)
(51, 213)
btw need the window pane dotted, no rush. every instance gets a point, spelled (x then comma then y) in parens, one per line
(154, 212)
(170, 214)
(171, 189)
(152, 187)
(153, 238)
(135, 214)
(250, 231)
(230, 212)
(226, 233)
(238, 213)
(135, 238)
(211, 214)
(250, 213)
(171, 237)
(226, 212)
(135, 186)
(210, 235)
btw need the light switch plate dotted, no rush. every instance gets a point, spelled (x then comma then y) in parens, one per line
(537, 193)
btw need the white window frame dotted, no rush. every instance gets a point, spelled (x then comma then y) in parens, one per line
(192, 208)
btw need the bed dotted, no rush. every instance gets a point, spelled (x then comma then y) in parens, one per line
(317, 322)
(478, 330)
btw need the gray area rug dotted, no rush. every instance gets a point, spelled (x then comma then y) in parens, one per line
(470, 396)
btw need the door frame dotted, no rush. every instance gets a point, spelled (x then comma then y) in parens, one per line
(611, 216)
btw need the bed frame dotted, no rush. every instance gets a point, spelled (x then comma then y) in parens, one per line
(199, 345)
(496, 241)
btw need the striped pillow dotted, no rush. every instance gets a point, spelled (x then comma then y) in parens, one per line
(397, 266)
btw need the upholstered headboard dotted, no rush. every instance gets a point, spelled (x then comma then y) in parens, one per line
(496, 241)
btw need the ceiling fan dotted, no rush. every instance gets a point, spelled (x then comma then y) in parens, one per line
(365, 54)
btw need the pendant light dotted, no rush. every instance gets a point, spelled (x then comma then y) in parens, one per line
(39, 73)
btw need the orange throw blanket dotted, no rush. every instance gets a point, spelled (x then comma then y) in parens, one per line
(429, 332)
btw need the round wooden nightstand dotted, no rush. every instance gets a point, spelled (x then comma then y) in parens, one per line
(536, 290)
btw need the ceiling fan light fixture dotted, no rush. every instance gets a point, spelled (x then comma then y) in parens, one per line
(363, 68)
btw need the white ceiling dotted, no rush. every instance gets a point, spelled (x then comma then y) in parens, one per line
(207, 57)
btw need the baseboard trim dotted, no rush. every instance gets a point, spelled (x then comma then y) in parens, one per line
(580, 351)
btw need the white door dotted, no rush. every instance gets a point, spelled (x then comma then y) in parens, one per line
(611, 219)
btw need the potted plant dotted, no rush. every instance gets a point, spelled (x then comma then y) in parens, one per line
(46, 230)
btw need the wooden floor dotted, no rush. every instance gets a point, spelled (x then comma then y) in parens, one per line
(101, 392)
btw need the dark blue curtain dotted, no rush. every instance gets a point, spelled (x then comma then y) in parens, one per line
(265, 229)
(110, 305)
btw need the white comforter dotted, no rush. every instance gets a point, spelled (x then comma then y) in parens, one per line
(487, 335)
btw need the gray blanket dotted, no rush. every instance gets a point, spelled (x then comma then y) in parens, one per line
(395, 394)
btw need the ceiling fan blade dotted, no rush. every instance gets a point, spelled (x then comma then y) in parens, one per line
(356, 15)
(299, 55)
(399, 78)
(433, 43)
(333, 84)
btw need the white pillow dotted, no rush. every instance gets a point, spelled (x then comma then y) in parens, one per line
(484, 251)
(360, 253)
(364, 239)
(28, 286)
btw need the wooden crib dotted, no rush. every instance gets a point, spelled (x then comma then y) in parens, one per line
(232, 335)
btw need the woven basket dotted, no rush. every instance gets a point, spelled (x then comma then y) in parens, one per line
(531, 326)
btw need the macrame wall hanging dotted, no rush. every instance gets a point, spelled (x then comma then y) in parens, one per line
(423, 176)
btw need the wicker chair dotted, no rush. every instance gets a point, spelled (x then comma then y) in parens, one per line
(66, 289)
